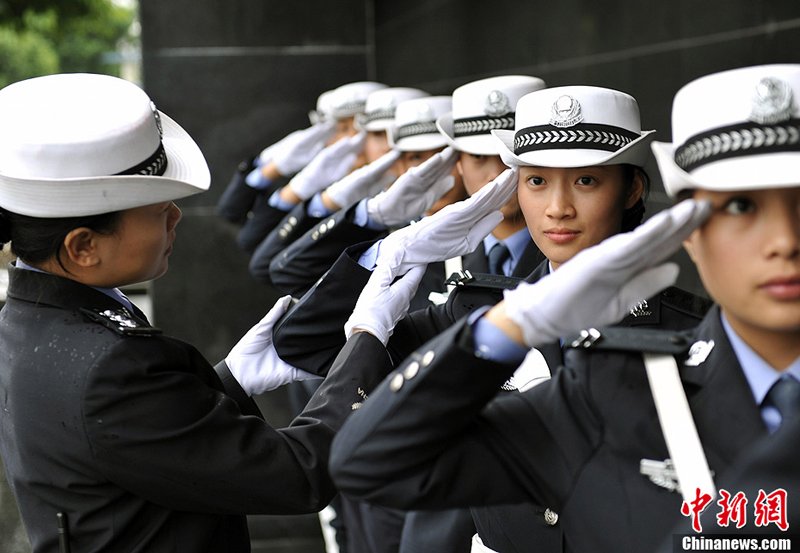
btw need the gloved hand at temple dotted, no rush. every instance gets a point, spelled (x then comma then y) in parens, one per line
(457, 229)
(357, 185)
(414, 192)
(330, 165)
(599, 285)
(297, 149)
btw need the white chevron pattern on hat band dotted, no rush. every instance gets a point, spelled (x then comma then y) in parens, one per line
(428, 127)
(601, 137)
(379, 114)
(481, 125)
(742, 139)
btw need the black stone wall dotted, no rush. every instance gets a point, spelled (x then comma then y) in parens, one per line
(240, 74)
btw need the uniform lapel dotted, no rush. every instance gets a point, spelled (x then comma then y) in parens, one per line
(530, 259)
(476, 261)
(726, 416)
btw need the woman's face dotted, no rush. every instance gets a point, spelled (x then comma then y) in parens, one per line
(568, 210)
(748, 257)
(139, 248)
(344, 127)
(479, 170)
(375, 145)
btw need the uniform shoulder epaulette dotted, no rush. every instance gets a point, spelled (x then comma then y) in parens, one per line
(120, 321)
(619, 338)
(686, 302)
(482, 280)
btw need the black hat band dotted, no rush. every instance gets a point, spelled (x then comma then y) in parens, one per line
(742, 139)
(156, 164)
(472, 126)
(414, 129)
(379, 114)
(590, 136)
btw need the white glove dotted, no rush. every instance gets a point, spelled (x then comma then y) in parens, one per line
(253, 361)
(415, 191)
(297, 149)
(330, 165)
(600, 285)
(357, 184)
(457, 229)
(256, 179)
(382, 303)
(268, 154)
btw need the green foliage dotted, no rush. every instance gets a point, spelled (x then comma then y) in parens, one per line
(25, 54)
(39, 37)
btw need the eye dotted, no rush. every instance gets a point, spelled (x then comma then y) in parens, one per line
(739, 206)
(586, 180)
(533, 180)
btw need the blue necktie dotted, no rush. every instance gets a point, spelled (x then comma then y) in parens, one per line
(497, 256)
(785, 397)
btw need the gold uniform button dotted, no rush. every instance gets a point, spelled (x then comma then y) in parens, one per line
(282, 233)
(314, 235)
(322, 229)
(411, 370)
(396, 383)
(330, 223)
(428, 358)
(550, 517)
(292, 220)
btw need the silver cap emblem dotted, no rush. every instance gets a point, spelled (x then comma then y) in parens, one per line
(425, 113)
(699, 352)
(497, 104)
(772, 101)
(157, 117)
(566, 112)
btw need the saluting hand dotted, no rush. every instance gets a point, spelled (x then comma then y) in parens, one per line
(599, 286)
(457, 229)
(415, 191)
(330, 165)
(297, 149)
(357, 185)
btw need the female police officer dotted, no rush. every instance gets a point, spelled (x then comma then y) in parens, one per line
(586, 440)
(129, 433)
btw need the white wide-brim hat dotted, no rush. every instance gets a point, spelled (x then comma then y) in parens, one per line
(83, 144)
(414, 128)
(348, 100)
(324, 109)
(482, 106)
(575, 126)
(382, 104)
(734, 130)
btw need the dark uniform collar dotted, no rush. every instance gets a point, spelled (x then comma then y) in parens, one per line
(55, 291)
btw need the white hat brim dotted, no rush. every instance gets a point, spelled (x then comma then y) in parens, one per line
(479, 145)
(187, 174)
(635, 152)
(771, 170)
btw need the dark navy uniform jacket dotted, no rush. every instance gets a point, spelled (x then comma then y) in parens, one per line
(135, 436)
(310, 336)
(434, 434)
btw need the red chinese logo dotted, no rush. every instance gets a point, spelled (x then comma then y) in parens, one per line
(768, 508)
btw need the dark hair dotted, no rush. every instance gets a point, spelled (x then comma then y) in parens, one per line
(632, 217)
(37, 239)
